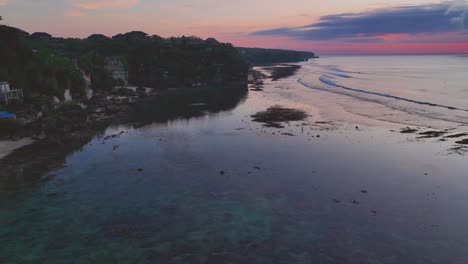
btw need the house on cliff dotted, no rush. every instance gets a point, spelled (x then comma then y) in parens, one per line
(8, 94)
(116, 67)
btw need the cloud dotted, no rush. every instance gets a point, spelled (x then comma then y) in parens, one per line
(3, 2)
(371, 26)
(103, 4)
(459, 6)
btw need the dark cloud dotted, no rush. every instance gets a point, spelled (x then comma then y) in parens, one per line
(465, 18)
(419, 19)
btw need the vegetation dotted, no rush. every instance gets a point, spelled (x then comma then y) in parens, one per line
(153, 61)
(257, 56)
(36, 71)
(43, 65)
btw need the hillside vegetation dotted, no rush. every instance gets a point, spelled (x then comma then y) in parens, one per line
(44, 66)
(258, 56)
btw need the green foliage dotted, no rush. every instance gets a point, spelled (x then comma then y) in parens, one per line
(155, 62)
(43, 65)
(29, 65)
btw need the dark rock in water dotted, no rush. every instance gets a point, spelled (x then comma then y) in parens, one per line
(273, 125)
(257, 168)
(336, 201)
(283, 71)
(221, 172)
(277, 114)
(51, 194)
(408, 130)
(139, 169)
(463, 142)
(457, 135)
(374, 212)
(355, 202)
(432, 134)
(364, 191)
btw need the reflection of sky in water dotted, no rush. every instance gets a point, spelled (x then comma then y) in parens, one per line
(273, 204)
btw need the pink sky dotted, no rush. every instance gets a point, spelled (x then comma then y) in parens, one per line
(237, 22)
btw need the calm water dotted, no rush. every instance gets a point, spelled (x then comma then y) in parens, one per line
(218, 188)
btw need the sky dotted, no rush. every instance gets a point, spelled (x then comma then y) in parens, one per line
(325, 27)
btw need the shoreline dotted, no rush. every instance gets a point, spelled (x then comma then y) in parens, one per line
(223, 172)
(8, 146)
(330, 107)
(34, 160)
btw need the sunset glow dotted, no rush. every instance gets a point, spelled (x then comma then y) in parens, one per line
(335, 26)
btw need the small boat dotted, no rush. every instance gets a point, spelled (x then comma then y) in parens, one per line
(6, 115)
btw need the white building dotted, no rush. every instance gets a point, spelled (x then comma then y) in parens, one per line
(7, 93)
(4, 87)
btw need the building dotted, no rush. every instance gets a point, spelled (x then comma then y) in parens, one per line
(116, 67)
(8, 94)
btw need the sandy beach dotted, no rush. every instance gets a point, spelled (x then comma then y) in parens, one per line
(7, 146)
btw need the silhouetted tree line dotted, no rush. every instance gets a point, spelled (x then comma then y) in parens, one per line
(258, 56)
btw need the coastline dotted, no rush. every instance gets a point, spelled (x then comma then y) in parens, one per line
(35, 158)
(103, 109)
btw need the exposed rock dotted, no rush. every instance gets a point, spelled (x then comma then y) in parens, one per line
(408, 130)
(277, 114)
(432, 134)
(463, 142)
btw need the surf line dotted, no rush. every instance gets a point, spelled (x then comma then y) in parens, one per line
(327, 80)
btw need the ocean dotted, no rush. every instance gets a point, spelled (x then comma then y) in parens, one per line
(434, 87)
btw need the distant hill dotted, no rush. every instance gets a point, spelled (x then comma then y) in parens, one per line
(258, 56)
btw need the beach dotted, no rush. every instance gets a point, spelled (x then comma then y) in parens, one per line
(359, 179)
(7, 146)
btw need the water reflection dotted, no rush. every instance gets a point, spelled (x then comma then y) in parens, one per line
(26, 167)
(182, 104)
